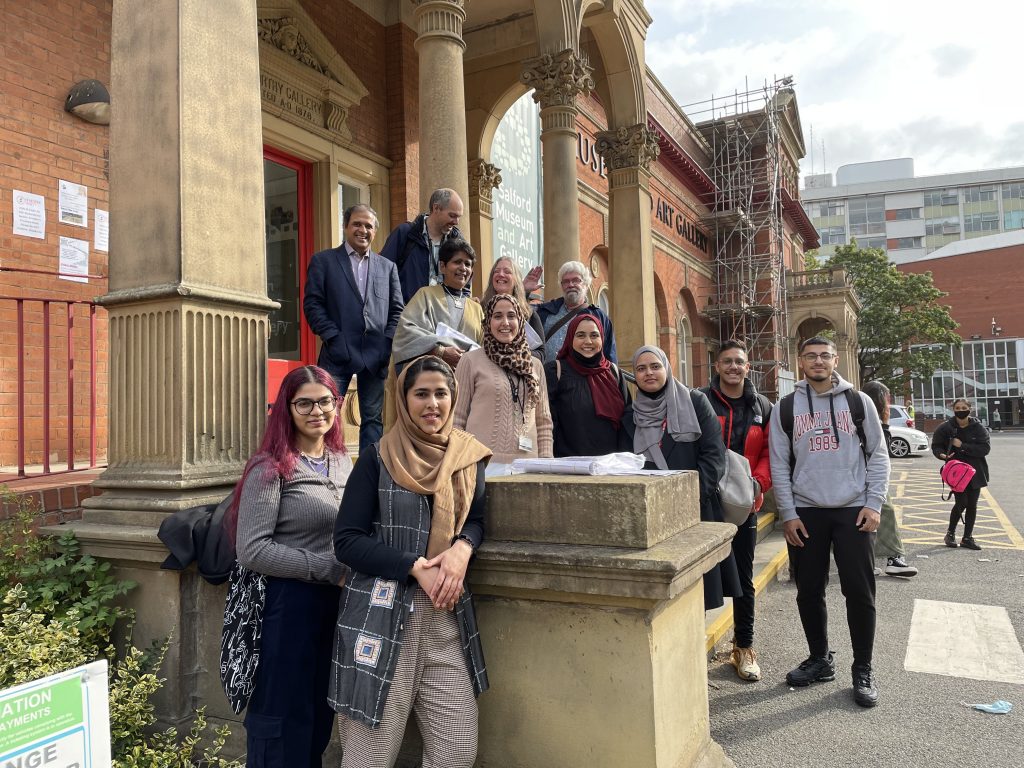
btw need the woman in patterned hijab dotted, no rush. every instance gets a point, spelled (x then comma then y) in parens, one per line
(504, 401)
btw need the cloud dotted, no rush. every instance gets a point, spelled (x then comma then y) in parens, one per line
(875, 80)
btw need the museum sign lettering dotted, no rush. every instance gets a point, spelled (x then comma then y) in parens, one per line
(680, 224)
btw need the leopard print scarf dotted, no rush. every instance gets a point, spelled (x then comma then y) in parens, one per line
(515, 356)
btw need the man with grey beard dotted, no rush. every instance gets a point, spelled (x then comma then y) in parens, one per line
(556, 314)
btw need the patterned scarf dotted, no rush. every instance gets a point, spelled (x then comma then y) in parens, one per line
(442, 465)
(514, 356)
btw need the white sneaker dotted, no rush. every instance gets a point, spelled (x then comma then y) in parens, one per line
(897, 566)
(745, 661)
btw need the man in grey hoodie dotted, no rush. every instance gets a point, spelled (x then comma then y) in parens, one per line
(829, 490)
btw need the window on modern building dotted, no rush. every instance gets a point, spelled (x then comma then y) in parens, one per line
(871, 242)
(906, 214)
(832, 235)
(1013, 220)
(981, 222)
(902, 243)
(949, 225)
(980, 194)
(867, 215)
(941, 197)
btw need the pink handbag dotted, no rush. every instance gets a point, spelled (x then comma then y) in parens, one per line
(957, 475)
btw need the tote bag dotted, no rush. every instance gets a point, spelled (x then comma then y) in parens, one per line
(736, 489)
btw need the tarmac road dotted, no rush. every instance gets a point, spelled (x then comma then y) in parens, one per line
(921, 719)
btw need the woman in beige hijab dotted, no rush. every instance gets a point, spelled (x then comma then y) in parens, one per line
(406, 639)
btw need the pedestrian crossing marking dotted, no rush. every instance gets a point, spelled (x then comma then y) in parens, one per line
(923, 517)
(964, 640)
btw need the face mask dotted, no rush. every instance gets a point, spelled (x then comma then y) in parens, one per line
(962, 414)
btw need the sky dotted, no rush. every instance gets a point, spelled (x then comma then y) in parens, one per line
(936, 81)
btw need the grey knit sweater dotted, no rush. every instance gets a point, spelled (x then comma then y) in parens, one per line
(287, 529)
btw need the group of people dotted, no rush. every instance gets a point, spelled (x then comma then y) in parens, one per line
(367, 610)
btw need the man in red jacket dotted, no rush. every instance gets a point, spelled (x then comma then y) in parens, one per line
(743, 413)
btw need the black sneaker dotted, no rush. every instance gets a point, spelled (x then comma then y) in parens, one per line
(950, 539)
(814, 669)
(864, 691)
(968, 542)
(897, 566)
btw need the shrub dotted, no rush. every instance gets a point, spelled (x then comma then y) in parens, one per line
(58, 612)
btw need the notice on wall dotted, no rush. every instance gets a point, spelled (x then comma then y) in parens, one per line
(518, 201)
(61, 721)
(74, 260)
(29, 214)
(73, 204)
(102, 239)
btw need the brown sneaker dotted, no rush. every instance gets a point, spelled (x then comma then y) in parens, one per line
(745, 661)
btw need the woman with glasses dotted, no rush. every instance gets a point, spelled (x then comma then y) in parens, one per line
(964, 438)
(505, 280)
(407, 642)
(587, 392)
(504, 401)
(676, 428)
(282, 520)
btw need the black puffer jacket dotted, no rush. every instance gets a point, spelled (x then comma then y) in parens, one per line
(975, 447)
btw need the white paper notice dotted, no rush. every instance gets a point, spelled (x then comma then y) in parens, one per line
(102, 230)
(73, 204)
(74, 259)
(29, 214)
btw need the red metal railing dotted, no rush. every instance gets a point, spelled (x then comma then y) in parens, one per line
(73, 355)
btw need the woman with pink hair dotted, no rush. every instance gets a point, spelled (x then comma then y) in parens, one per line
(283, 521)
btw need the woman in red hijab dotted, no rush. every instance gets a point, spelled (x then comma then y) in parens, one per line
(588, 394)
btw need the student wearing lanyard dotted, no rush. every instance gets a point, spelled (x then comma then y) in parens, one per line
(504, 401)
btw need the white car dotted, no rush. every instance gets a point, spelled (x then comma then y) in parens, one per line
(906, 442)
(899, 417)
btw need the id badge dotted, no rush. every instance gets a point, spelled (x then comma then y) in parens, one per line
(525, 443)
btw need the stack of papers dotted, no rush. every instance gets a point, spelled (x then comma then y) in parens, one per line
(610, 464)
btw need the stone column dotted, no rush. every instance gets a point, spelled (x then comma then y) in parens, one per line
(628, 152)
(483, 178)
(187, 301)
(557, 79)
(591, 613)
(443, 152)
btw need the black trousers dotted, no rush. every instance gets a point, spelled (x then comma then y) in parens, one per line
(743, 606)
(288, 722)
(967, 504)
(370, 388)
(835, 531)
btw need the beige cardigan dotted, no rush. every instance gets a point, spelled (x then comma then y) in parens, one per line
(485, 409)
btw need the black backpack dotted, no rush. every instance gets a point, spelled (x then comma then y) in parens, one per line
(856, 405)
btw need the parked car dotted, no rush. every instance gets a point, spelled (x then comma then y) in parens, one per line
(898, 417)
(905, 442)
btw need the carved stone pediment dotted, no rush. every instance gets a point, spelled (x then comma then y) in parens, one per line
(303, 79)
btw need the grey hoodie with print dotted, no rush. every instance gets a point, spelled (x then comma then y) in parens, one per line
(830, 470)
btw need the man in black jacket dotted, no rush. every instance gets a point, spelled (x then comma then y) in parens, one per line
(414, 245)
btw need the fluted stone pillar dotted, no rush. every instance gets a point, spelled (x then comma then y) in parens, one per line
(484, 178)
(443, 152)
(188, 309)
(628, 153)
(557, 79)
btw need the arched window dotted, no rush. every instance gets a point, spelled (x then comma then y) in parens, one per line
(603, 301)
(683, 350)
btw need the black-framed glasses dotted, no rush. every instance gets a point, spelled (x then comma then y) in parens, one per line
(304, 406)
(825, 357)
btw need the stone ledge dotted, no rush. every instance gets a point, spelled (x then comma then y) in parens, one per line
(609, 511)
(135, 544)
(617, 575)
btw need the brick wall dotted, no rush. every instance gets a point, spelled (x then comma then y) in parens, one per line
(46, 46)
(981, 286)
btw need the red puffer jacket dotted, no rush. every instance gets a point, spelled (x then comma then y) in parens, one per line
(755, 445)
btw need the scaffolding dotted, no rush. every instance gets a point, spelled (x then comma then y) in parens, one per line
(746, 215)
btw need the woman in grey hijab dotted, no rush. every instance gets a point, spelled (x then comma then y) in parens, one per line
(674, 427)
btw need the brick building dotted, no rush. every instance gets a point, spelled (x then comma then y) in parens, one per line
(983, 278)
(341, 91)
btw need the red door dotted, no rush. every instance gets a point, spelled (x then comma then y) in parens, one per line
(288, 202)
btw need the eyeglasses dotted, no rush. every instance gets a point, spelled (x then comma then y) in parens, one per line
(732, 361)
(304, 406)
(810, 357)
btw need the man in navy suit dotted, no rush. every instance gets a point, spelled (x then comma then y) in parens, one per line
(353, 301)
